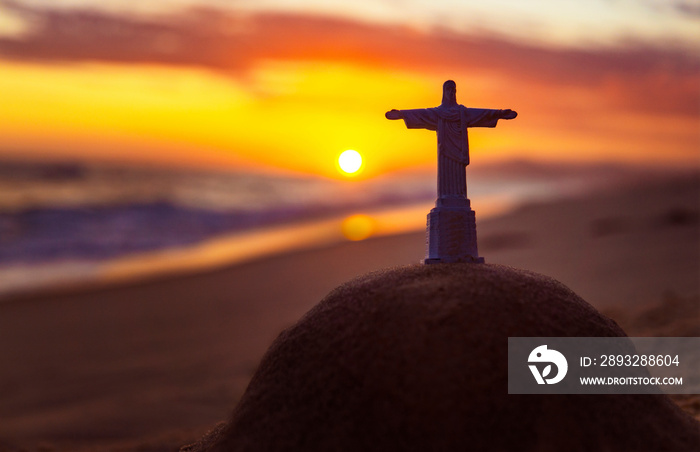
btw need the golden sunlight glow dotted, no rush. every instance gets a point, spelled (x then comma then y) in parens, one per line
(297, 115)
(358, 227)
(350, 162)
(291, 116)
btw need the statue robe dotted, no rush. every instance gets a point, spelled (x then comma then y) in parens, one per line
(451, 124)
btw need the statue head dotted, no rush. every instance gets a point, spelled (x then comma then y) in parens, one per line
(449, 93)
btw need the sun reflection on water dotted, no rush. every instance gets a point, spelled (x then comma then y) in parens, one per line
(358, 227)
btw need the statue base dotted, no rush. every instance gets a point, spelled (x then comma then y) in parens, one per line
(452, 233)
(468, 260)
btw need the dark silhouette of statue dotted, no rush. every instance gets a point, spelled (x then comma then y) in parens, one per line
(452, 223)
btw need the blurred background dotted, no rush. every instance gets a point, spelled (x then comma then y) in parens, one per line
(129, 127)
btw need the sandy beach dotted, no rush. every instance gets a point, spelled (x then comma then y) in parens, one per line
(153, 364)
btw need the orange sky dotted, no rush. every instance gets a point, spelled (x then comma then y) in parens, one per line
(290, 91)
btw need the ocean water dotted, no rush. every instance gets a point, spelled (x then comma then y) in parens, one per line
(64, 223)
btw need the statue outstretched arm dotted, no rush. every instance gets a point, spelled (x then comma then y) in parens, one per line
(420, 118)
(508, 114)
(484, 117)
(393, 114)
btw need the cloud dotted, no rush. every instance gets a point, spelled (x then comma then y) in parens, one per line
(636, 76)
(690, 8)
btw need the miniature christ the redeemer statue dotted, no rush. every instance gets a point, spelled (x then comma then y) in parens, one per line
(452, 223)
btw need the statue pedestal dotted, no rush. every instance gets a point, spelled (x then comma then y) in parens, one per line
(452, 233)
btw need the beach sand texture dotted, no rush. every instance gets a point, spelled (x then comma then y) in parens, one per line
(415, 358)
(156, 363)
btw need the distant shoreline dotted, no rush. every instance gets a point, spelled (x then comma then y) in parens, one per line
(216, 250)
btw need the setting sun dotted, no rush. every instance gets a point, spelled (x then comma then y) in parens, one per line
(350, 162)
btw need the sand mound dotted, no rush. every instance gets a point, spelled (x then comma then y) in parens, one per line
(414, 358)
